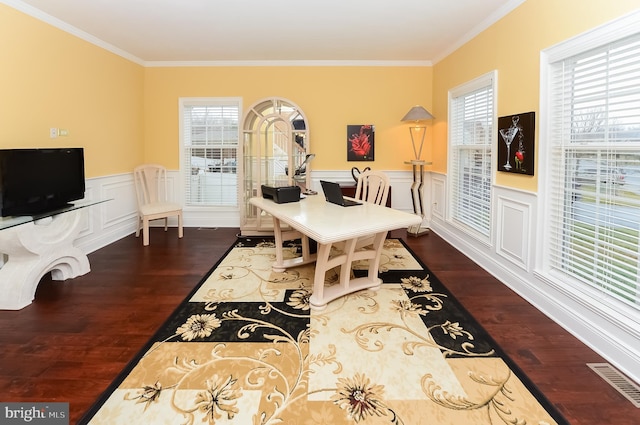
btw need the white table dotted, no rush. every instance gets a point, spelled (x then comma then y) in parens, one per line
(328, 224)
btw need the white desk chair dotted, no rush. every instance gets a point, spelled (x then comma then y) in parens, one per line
(151, 192)
(372, 186)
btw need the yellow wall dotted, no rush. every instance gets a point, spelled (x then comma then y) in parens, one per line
(331, 98)
(125, 114)
(49, 78)
(512, 47)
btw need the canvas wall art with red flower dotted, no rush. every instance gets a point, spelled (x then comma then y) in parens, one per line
(360, 142)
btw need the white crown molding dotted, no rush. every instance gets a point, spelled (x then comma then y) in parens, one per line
(61, 25)
(490, 20)
(291, 63)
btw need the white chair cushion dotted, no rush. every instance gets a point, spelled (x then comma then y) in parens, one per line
(159, 208)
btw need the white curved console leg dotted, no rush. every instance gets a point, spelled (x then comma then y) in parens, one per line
(36, 248)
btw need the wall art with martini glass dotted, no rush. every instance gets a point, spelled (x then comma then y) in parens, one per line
(516, 143)
(360, 142)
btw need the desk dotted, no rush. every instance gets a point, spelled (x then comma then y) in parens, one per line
(327, 224)
(36, 245)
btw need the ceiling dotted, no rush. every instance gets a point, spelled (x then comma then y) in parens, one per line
(147, 31)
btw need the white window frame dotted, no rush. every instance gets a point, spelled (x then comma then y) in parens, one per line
(186, 172)
(482, 228)
(598, 299)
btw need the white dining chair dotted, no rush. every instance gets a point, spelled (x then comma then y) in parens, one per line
(372, 186)
(153, 204)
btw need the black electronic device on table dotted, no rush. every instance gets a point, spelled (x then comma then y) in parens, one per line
(281, 194)
(333, 194)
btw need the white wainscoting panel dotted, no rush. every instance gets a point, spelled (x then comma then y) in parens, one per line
(438, 199)
(113, 219)
(121, 191)
(513, 228)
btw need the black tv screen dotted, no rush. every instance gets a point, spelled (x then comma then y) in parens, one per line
(36, 181)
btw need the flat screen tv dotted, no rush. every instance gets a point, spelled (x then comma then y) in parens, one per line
(37, 181)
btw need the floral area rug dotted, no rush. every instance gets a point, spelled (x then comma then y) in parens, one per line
(245, 348)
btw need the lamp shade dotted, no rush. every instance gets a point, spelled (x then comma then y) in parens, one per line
(417, 113)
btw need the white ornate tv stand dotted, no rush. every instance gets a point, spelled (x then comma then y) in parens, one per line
(35, 245)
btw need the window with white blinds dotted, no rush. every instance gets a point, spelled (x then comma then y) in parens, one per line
(593, 189)
(210, 151)
(471, 136)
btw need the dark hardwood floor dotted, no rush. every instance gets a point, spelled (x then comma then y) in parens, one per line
(78, 335)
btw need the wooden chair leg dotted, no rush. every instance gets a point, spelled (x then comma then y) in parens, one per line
(145, 232)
